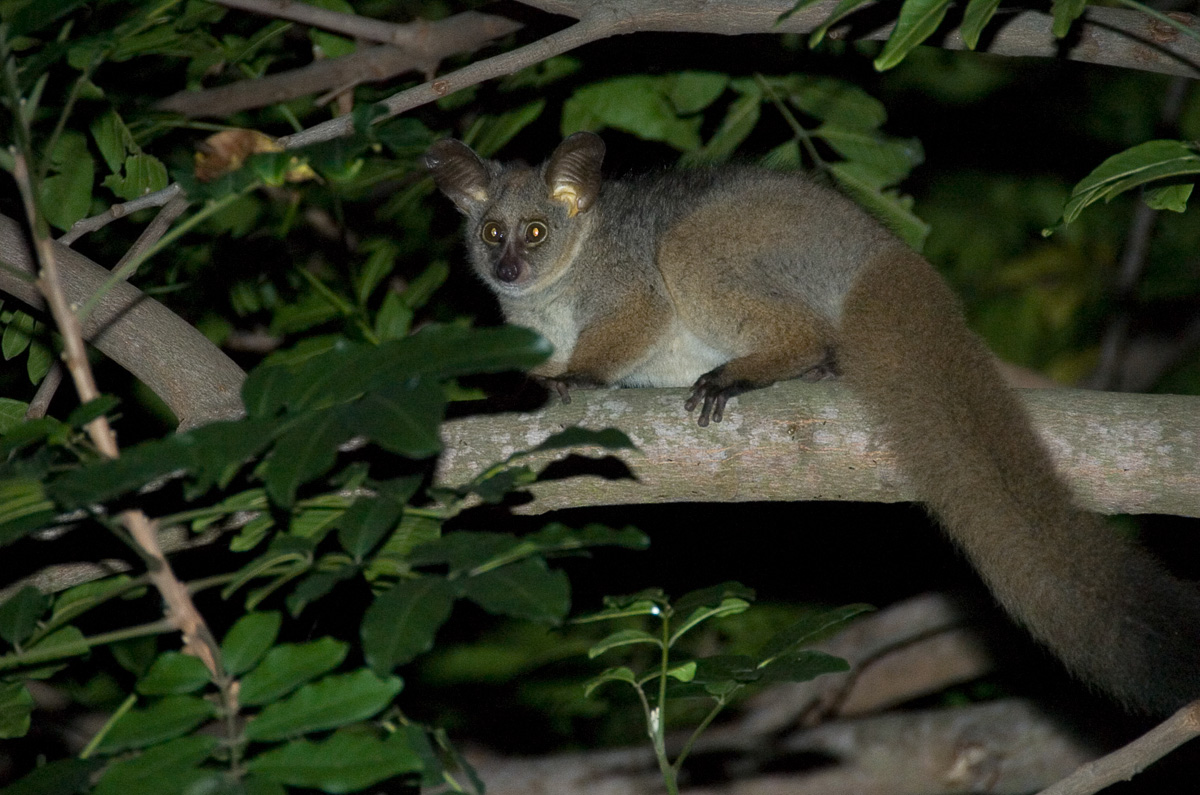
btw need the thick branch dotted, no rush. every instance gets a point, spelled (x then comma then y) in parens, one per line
(1103, 36)
(1121, 453)
(196, 380)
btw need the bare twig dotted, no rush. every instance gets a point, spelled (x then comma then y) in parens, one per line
(86, 225)
(45, 392)
(180, 609)
(1124, 763)
(586, 30)
(400, 35)
(462, 33)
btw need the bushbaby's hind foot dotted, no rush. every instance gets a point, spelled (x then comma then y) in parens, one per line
(711, 392)
(561, 385)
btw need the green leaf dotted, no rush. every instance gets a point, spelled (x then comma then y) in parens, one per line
(89, 411)
(39, 362)
(465, 550)
(641, 105)
(621, 674)
(807, 630)
(287, 666)
(27, 18)
(1169, 197)
(525, 589)
(65, 642)
(381, 261)
(78, 600)
(12, 414)
(725, 668)
(692, 92)
(20, 613)
(626, 637)
(835, 102)
(67, 195)
(62, 777)
(369, 519)
(113, 139)
(402, 621)
(332, 702)
(220, 449)
(306, 450)
(142, 174)
(840, 12)
(493, 132)
(683, 673)
(1135, 166)
(175, 762)
(975, 18)
(348, 761)
(557, 536)
(803, 666)
(109, 478)
(639, 608)
(917, 21)
(1065, 12)
(17, 335)
(16, 704)
(23, 507)
(403, 420)
(891, 158)
(248, 640)
(422, 288)
(394, 318)
(317, 585)
(173, 673)
(168, 718)
(710, 597)
(728, 607)
(542, 74)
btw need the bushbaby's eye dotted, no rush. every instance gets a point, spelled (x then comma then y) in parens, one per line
(492, 233)
(535, 232)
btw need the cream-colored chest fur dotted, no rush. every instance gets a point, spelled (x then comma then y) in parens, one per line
(678, 359)
(554, 320)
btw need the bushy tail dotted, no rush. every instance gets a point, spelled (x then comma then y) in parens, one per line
(1101, 604)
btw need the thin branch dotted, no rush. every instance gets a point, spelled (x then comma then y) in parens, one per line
(583, 32)
(460, 34)
(400, 35)
(87, 225)
(1126, 762)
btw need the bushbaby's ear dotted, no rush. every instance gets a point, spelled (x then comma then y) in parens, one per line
(458, 172)
(573, 172)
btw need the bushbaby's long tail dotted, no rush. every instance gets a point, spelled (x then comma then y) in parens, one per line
(1101, 604)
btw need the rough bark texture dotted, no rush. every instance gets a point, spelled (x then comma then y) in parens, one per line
(1121, 453)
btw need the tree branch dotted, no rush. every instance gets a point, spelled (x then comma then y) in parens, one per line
(1121, 453)
(1103, 36)
(462, 33)
(197, 381)
(1124, 763)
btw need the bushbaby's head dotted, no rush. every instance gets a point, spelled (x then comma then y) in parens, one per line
(522, 223)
